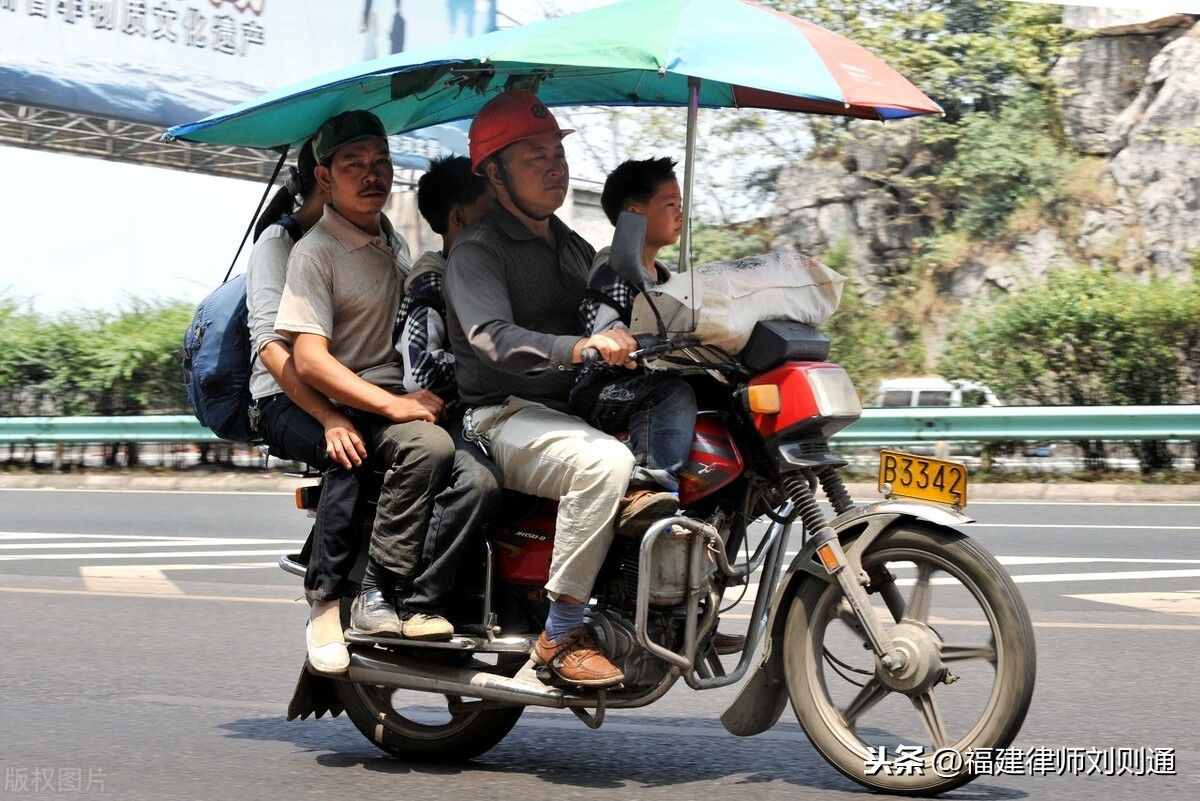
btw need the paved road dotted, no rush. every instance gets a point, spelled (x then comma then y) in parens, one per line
(148, 648)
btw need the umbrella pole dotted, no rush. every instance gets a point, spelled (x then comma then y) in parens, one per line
(689, 169)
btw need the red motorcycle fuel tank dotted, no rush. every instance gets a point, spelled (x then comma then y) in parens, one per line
(714, 462)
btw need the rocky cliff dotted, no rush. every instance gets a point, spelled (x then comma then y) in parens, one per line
(1129, 99)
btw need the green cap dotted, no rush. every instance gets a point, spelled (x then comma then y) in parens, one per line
(347, 127)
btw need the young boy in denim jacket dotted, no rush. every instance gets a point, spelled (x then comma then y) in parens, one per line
(657, 409)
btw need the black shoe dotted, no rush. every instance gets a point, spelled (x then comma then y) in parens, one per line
(372, 613)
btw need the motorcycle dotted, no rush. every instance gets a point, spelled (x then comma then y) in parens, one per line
(865, 665)
(834, 609)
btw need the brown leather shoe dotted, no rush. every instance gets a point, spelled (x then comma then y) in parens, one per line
(576, 660)
(725, 644)
(642, 508)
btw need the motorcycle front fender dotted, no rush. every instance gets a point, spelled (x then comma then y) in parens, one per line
(762, 699)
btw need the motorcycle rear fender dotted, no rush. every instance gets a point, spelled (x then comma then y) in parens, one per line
(762, 699)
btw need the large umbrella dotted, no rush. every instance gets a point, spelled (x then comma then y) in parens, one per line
(712, 53)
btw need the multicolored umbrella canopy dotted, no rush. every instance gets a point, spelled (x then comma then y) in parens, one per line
(637, 53)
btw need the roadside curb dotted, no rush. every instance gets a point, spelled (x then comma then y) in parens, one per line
(260, 482)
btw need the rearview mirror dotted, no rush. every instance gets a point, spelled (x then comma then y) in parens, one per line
(628, 245)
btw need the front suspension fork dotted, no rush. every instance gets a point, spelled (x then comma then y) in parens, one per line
(824, 556)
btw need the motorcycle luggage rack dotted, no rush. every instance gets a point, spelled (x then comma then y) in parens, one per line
(290, 563)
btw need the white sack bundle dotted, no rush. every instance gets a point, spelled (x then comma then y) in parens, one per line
(731, 296)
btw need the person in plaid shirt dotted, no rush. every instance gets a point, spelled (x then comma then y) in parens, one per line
(657, 409)
(450, 197)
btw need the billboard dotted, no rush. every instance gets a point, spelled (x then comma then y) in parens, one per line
(164, 62)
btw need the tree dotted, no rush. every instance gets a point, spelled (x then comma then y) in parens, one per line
(862, 341)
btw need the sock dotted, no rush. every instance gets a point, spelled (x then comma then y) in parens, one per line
(563, 618)
(325, 618)
(376, 577)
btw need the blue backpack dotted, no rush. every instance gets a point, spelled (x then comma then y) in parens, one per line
(217, 358)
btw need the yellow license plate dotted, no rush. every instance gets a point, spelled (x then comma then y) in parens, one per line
(936, 480)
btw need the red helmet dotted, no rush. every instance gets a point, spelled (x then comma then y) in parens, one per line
(507, 118)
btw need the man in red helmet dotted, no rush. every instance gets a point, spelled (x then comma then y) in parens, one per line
(513, 284)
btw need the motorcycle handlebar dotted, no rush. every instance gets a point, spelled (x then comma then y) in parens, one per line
(589, 356)
(649, 345)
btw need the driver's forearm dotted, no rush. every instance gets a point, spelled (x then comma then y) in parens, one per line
(277, 358)
(508, 347)
(320, 370)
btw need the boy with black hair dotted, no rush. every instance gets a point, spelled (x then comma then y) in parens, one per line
(657, 409)
(450, 197)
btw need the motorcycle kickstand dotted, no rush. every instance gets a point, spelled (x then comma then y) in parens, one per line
(597, 720)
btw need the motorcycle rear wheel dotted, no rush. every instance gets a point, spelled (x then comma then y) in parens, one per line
(835, 729)
(472, 728)
(470, 731)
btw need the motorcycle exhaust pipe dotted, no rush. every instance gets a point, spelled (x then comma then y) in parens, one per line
(406, 673)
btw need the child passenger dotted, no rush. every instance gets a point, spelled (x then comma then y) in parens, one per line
(450, 197)
(657, 409)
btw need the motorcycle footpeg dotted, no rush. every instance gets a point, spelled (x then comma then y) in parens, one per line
(548, 677)
(551, 679)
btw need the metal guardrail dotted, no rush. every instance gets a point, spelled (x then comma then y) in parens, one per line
(877, 426)
(149, 428)
(1024, 423)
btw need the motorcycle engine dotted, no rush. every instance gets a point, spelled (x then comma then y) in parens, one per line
(669, 579)
(612, 621)
(614, 634)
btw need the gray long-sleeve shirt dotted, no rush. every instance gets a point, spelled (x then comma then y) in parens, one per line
(512, 302)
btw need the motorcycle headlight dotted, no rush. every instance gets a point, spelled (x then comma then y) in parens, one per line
(834, 392)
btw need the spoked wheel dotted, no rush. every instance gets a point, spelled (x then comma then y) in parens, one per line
(958, 679)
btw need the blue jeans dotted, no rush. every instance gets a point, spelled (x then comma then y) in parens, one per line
(659, 412)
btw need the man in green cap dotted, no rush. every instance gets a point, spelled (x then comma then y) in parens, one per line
(345, 281)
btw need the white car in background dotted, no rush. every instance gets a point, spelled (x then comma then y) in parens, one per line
(933, 391)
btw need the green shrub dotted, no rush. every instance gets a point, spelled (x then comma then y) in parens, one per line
(92, 362)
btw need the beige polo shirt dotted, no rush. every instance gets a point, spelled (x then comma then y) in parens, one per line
(346, 285)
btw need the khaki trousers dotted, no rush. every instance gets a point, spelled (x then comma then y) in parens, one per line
(555, 455)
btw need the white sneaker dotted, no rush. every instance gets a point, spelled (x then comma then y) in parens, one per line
(420, 626)
(328, 658)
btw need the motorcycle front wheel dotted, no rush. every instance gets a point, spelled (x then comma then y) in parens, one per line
(967, 676)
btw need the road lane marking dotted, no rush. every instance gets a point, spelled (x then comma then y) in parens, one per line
(298, 601)
(1169, 603)
(1084, 526)
(59, 535)
(1057, 560)
(150, 578)
(1023, 578)
(1042, 624)
(154, 555)
(1047, 578)
(195, 542)
(288, 493)
(156, 596)
(124, 578)
(1085, 503)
